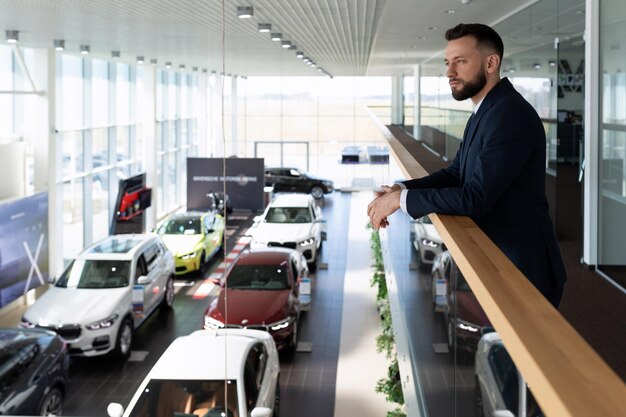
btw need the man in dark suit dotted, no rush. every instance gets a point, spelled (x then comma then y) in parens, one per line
(498, 175)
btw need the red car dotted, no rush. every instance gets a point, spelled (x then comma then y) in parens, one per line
(262, 289)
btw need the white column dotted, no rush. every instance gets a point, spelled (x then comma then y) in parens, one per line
(417, 107)
(234, 116)
(150, 140)
(201, 113)
(592, 131)
(47, 152)
(397, 100)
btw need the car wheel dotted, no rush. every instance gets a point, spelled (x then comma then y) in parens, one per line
(168, 300)
(52, 404)
(124, 339)
(450, 335)
(293, 343)
(277, 399)
(317, 192)
(478, 399)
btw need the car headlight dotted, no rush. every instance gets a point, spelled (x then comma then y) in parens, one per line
(27, 324)
(470, 327)
(190, 255)
(279, 325)
(307, 242)
(102, 324)
(429, 243)
(211, 324)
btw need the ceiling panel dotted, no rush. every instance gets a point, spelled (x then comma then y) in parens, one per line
(345, 37)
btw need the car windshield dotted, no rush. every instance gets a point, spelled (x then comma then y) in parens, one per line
(180, 227)
(288, 215)
(187, 398)
(258, 277)
(96, 273)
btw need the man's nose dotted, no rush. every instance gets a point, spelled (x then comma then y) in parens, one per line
(450, 71)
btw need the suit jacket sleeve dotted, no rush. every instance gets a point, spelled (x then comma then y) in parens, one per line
(447, 177)
(506, 146)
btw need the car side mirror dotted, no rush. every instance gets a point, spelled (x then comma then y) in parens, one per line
(257, 219)
(261, 412)
(143, 280)
(115, 410)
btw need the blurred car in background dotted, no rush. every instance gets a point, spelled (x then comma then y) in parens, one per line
(465, 318)
(498, 381)
(440, 273)
(297, 181)
(378, 154)
(291, 221)
(105, 293)
(193, 237)
(218, 202)
(33, 372)
(353, 154)
(426, 241)
(263, 289)
(195, 378)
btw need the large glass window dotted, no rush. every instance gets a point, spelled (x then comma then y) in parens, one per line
(612, 181)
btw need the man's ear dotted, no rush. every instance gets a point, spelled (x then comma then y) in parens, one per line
(493, 63)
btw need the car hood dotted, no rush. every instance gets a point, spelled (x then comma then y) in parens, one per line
(429, 232)
(257, 307)
(181, 244)
(469, 310)
(282, 232)
(75, 305)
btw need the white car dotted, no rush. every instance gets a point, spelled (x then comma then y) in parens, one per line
(105, 293)
(291, 221)
(426, 241)
(198, 374)
(497, 389)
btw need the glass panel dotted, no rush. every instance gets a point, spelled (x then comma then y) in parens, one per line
(123, 143)
(72, 150)
(72, 218)
(100, 202)
(6, 83)
(612, 179)
(100, 93)
(72, 108)
(122, 91)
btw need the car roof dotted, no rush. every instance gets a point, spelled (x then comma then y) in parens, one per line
(264, 256)
(291, 200)
(207, 354)
(193, 214)
(118, 247)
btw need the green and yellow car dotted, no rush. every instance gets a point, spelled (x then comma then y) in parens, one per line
(193, 238)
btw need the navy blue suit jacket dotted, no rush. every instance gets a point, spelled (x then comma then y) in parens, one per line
(498, 179)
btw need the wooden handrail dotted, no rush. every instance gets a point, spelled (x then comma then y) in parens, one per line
(565, 374)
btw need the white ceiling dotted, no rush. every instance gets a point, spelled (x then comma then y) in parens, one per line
(345, 37)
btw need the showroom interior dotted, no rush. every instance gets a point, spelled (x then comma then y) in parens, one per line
(120, 117)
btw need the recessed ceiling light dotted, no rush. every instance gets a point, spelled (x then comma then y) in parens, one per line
(84, 49)
(432, 28)
(552, 63)
(115, 54)
(140, 60)
(12, 36)
(59, 44)
(421, 37)
(450, 11)
(537, 65)
(276, 36)
(168, 65)
(153, 61)
(265, 27)
(244, 12)
(580, 11)
(300, 54)
(285, 44)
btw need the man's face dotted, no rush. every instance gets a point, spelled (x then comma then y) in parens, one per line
(466, 69)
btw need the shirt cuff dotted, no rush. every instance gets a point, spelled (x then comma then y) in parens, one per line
(402, 185)
(403, 194)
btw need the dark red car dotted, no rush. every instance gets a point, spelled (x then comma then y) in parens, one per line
(262, 289)
(465, 318)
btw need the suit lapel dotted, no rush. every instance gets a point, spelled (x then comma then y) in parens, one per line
(490, 99)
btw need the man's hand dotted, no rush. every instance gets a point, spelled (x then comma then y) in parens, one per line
(386, 202)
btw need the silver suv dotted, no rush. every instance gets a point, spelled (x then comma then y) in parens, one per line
(105, 293)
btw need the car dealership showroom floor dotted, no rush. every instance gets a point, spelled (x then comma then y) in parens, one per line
(336, 366)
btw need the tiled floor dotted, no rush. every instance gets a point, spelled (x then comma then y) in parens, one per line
(308, 379)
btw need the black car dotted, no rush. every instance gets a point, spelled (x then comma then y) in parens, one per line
(33, 372)
(298, 181)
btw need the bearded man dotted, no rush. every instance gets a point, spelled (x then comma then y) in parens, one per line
(498, 175)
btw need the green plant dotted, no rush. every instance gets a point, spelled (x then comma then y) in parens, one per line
(390, 386)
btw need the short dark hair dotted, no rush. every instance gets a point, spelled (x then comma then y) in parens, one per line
(485, 36)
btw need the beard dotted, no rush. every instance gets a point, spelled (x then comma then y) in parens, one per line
(470, 88)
